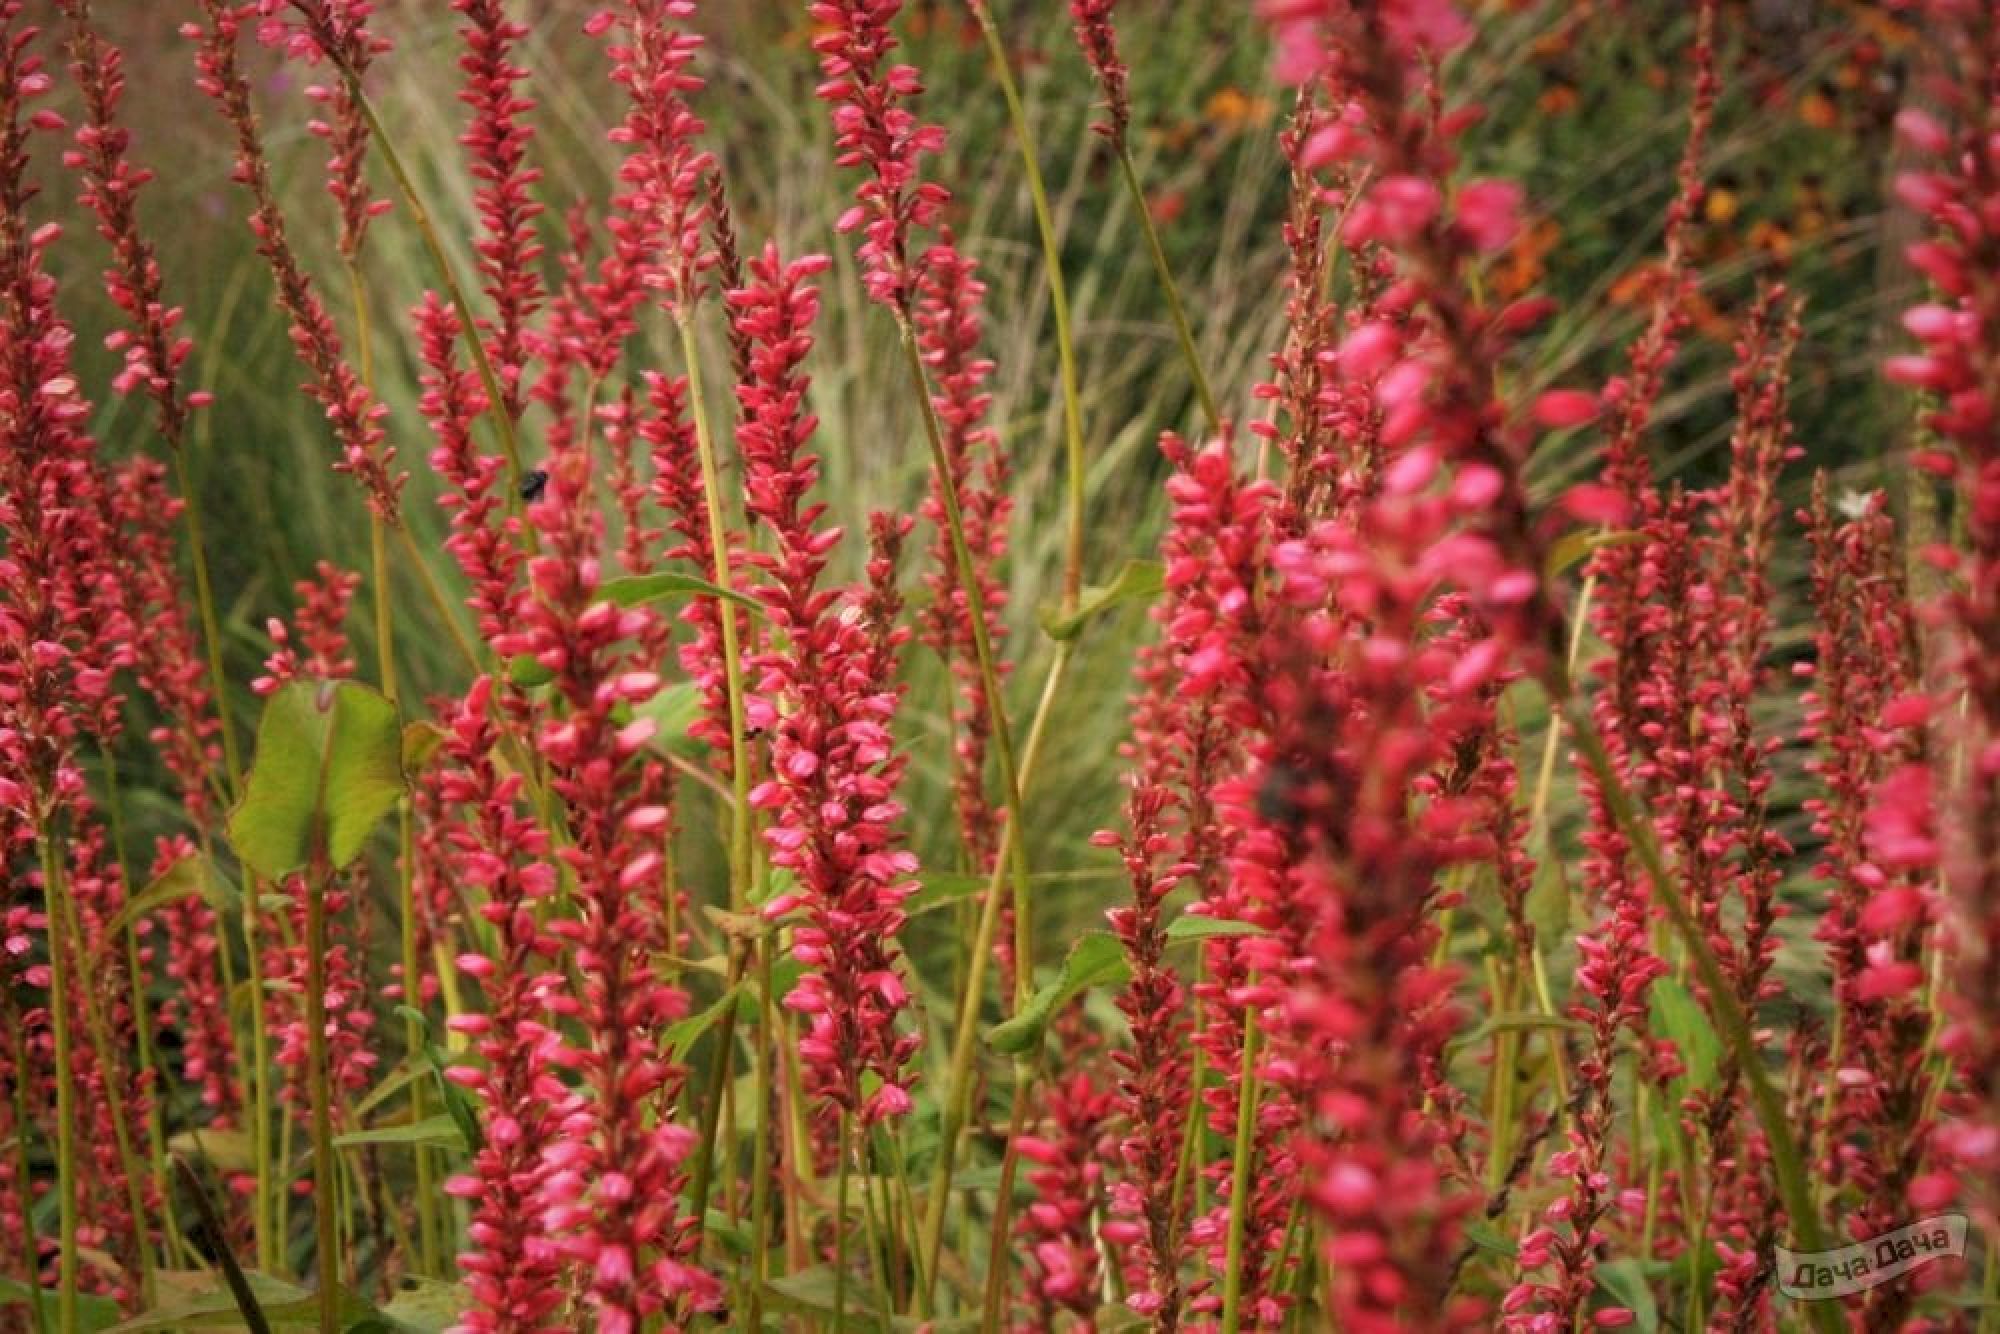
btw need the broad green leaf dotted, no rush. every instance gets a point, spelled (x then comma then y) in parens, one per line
(1625, 1283)
(633, 590)
(329, 766)
(212, 1306)
(192, 874)
(93, 1313)
(1141, 579)
(425, 1306)
(441, 1129)
(1678, 1016)
(1516, 1021)
(1097, 959)
(1190, 927)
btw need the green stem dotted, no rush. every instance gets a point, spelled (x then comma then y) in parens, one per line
(325, 1219)
(718, 537)
(270, 1254)
(53, 890)
(1059, 305)
(840, 1224)
(1240, 1171)
(142, 1018)
(965, 1031)
(1002, 1236)
(31, 1261)
(1183, 331)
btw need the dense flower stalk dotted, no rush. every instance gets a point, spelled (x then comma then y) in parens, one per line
(827, 705)
(1957, 194)
(500, 855)
(876, 131)
(615, 1171)
(485, 538)
(351, 410)
(948, 325)
(1098, 37)
(496, 141)
(335, 31)
(1067, 1152)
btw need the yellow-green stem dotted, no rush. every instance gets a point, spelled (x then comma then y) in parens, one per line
(31, 1260)
(1002, 1239)
(1045, 227)
(325, 1219)
(1183, 331)
(1240, 1172)
(67, 1185)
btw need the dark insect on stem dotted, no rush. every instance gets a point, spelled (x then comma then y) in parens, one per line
(533, 483)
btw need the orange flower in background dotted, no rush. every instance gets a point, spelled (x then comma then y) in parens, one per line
(1524, 263)
(1233, 111)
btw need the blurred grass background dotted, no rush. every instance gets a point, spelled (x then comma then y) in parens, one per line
(1585, 105)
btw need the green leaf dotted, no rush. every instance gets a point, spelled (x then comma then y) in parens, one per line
(1625, 1283)
(192, 874)
(941, 889)
(1097, 959)
(673, 711)
(1578, 545)
(329, 766)
(93, 1313)
(1514, 1021)
(527, 673)
(1488, 1238)
(458, 1103)
(1190, 927)
(425, 1306)
(637, 589)
(1678, 1016)
(208, 1304)
(225, 1150)
(682, 1036)
(1547, 907)
(1142, 579)
(420, 741)
(441, 1129)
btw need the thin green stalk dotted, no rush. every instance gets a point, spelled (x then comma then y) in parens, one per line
(760, 1149)
(1012, 858)
(1183, 331)
(270, 1253)
(31, 1260)
(54, 889)
(1045, 227)
(1239, 1176)
(840, 1224)
(142, 1013)
(211, 626)
(325, 1219)
(1002, 1235)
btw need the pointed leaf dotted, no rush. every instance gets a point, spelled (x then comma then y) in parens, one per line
(1141, 579)
(1097, 959)
(1188, 926)
(1677, 1015)
(636, 589)
(441, 1129)
(93, 1313)
(192, 874)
